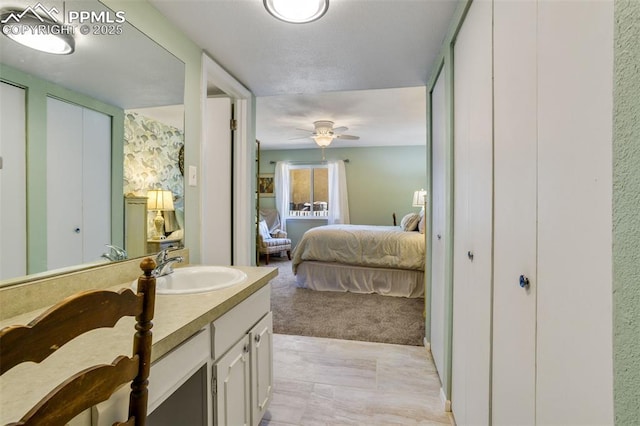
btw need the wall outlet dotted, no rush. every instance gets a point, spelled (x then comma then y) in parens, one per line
(193, 176)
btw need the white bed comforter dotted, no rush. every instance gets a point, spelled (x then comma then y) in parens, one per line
(363, 245)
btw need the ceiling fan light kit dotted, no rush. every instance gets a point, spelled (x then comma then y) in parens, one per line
(324, 133)
(297, 11)
(323, 140)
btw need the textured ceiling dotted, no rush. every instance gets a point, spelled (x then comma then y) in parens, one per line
(379, 117)
(359, 45)
(128, 70)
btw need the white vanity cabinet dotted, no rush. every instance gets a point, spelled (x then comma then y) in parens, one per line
(242, 371)
(221, 375)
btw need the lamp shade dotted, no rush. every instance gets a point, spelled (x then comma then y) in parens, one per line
(159, 199)
(419, 198)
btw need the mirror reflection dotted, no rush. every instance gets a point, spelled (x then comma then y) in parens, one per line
(84, 137)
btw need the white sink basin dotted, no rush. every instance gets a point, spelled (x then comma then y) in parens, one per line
(197, 279)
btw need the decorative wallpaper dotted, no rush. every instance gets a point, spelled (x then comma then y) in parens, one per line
(151, 151)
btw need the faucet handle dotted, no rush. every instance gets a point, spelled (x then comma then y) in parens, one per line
(162, 256)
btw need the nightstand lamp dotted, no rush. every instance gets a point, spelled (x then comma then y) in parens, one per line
(419, 198)
(161, 201)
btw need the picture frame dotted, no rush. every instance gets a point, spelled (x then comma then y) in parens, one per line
(266, 185)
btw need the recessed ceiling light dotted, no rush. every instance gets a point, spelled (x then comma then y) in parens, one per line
(37, 32)
(297, 11)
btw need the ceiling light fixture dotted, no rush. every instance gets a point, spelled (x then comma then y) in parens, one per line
(297, 11)
(323, 140)
(40, 33)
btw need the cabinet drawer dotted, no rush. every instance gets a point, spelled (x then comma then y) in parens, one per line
(238, 321)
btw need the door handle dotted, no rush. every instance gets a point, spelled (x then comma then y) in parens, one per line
(524, 282)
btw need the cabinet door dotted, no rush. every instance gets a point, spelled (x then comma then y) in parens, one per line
(472, 217)
(261, 367)
(232, 397)
(515, 196)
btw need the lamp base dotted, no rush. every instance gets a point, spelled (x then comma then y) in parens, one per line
(158, 223)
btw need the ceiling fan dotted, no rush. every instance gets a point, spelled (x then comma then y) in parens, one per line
(324, 133)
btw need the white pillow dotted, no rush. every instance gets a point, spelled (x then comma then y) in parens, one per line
(410, 222)
(422, 223)
(264, 230)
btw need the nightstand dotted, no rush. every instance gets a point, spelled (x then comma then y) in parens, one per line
(154, 246)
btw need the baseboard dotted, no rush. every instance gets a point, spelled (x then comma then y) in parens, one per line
(446, 403)
(426, 344)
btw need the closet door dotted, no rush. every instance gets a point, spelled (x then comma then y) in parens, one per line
(78, 184)
(13, 191)
(96, 184)
(575, 92)
(64, 184)
(437, 302)
(472, 217)
(515, 196)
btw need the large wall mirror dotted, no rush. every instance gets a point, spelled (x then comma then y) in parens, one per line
(81, 131)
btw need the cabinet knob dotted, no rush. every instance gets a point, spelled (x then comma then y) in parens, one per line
(257, 338)
(246, 349)
(470, 255)
(524, 282)
(439, 236)
(77, 230)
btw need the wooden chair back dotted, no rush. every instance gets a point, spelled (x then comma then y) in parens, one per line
(71, 318)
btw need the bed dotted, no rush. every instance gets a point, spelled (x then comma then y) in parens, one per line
(361, 259)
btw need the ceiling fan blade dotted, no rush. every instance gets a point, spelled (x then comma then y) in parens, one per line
(348, 137)
(298, 138)
(306, 130)
(340, 129)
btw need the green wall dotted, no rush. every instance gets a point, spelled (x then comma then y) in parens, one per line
(626, 216)
(380, 180)
(37, 91)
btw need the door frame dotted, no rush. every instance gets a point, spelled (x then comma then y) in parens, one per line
(243, 204)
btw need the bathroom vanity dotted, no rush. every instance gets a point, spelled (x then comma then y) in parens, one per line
(211, 357)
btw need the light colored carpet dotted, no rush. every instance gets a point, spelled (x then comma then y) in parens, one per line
(349, 316)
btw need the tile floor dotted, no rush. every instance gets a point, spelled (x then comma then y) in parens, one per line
(320, 381)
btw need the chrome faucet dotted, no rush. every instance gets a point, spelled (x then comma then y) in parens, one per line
(165, 263)
(115, 253)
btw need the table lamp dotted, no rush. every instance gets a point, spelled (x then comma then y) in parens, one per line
(419, 198)
(161, 201)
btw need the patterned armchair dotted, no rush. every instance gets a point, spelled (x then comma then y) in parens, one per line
(271, 239)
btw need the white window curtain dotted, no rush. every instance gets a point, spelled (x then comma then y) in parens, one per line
(281, 183)
(338, 197)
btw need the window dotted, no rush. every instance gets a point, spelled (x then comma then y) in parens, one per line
(308, 191)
